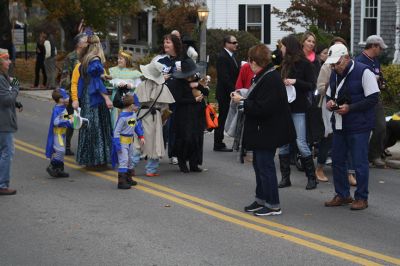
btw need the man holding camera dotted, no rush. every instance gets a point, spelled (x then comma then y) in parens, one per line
(352, 95)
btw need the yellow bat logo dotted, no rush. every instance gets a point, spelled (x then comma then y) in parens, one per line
(132, 122)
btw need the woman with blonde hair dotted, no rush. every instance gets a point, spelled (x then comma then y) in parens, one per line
(124, 78)
(94, 144)
(308, 43)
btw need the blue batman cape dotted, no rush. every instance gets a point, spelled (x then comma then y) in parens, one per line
(57, 110)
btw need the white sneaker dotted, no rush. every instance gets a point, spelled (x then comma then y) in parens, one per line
(173, 160)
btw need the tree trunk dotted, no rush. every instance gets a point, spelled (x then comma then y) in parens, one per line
(5, 25)
(70, 26)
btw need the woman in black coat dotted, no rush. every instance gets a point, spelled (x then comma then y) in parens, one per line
(297, 71)
(268, 125)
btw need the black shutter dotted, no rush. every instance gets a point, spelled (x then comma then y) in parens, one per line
(267, 24)
(242, 17)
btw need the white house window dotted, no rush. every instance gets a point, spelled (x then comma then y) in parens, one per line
(254, 21)
(370, 19)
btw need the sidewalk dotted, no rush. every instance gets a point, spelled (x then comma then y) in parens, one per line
(35, 93)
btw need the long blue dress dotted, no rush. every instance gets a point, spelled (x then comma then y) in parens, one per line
(94, 144)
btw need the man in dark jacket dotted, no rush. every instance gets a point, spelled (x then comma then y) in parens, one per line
(373, 48)
(227, 73)
(352, 95)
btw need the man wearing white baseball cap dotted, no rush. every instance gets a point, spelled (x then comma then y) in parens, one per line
(374, 46)
(352, 95)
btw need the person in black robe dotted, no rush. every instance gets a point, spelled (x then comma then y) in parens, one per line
(189, 121)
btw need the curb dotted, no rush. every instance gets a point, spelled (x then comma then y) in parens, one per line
(36, 95)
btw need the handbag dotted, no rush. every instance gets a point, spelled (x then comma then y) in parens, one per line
(211, 117)
(315, 128)
(119, 95)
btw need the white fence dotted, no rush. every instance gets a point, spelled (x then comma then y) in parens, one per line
(138, 51)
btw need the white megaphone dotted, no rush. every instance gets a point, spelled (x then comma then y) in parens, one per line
(78, 120)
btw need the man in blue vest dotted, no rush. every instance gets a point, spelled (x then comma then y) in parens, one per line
(352, 95)
(374, 45)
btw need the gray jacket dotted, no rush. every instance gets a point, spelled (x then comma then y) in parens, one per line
(8, 96)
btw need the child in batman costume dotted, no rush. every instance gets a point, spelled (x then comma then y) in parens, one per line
(122, 143)
(60, 121)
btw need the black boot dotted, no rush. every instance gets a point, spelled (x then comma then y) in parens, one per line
(284, 162)
(309, 168)
(130, 174)
(51, 169)
(195, 168)
(183, 166)
(123, 181)
(60, 170)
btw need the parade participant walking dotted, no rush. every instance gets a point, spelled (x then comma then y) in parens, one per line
(154, 97)
(171, 60)
(56, 138)
(124, 77)
(72, 59)
(227, 73)
(374, 45)
(8, 94)
(94, 141)
(297, 71)
(268, 125)
(122, 151)
(352, 94)
(189, 122)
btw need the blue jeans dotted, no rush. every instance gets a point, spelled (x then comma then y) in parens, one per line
(135, 157)
(152, 166)
(266, 180)
(357, 145)
(6, 155)
(299, 121)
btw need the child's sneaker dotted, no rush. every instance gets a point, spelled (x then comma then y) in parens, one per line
(152, 174)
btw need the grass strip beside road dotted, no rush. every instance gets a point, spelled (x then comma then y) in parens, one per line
(180, 198)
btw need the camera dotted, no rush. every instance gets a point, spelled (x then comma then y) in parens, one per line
(335, 107)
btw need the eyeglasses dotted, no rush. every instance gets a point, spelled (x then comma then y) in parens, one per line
(233, 43)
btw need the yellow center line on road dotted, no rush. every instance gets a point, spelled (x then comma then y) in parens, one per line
(110, 175)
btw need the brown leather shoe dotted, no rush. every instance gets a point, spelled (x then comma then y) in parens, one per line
(359, 204)
(338, 201)
(7, 191)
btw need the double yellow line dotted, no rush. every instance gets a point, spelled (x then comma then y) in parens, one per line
(314, 241)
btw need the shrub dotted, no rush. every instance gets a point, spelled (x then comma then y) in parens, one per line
(391, 93)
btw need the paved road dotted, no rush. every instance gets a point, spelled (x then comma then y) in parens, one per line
(183, 219)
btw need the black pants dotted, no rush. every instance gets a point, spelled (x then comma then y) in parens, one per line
(223, 108)
(377, 141)
(39, 65)
(70, 131)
